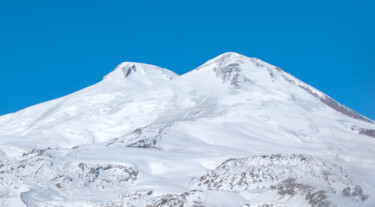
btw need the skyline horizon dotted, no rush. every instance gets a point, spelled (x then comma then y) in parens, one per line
(51, 49)
(188, 71)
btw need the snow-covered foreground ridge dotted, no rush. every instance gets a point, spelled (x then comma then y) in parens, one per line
(235, 131)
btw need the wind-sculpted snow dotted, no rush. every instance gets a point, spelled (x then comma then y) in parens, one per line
(144, 136)
(288, 176)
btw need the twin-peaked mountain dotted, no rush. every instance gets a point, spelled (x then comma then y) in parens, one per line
(146, 136)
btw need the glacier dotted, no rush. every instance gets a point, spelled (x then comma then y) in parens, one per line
(235, 131)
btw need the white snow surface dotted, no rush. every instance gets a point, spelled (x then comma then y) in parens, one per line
(235, 131)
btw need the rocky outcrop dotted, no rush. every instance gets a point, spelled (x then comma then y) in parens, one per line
(367, 132)
(148, 198)
(46, 171)
(144, 137)
(231, 73)
(287, 176)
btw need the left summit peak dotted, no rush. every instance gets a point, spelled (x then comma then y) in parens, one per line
(139, 72)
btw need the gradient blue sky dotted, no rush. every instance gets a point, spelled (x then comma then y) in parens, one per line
(49, 49)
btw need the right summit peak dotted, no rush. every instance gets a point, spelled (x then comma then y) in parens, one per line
(225, 59)
(229, 56)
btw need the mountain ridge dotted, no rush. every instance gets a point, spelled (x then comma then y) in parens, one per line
(236, 131)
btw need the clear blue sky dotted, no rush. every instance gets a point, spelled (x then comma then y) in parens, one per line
(49, 49)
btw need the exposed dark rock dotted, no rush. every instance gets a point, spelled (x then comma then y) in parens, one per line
(355, 192)
(368, 132)
(289, 187)
(148, 199)
(86, 173)
(318, 199)
(144, 143)
(183, 200)
(128, 70)
(231, 73)
(143, 137)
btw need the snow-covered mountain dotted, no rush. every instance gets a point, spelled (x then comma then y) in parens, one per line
(235, 131)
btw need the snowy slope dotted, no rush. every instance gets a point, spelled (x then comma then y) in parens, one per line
(146, 136)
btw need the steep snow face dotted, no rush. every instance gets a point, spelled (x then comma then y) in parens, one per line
(145, 136)
(240, 70)
(236, 69)
(95, 114)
